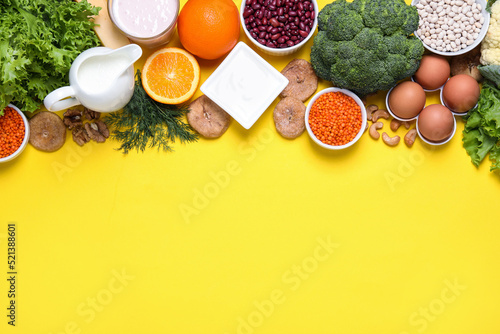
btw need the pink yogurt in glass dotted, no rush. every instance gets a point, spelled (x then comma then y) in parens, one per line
(148, 22)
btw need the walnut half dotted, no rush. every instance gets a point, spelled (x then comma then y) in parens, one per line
(72, 118)
(97, 131)
(80, 135)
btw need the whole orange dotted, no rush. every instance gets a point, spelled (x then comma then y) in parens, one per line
(209, 28)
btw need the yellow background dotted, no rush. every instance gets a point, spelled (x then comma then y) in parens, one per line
(103, 247)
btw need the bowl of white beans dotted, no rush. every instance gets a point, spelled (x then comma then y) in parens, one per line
(451, 27)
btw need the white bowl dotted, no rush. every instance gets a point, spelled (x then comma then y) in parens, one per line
(453, 112)
(26, 136)
(363, 116)
(478, 40)
(244, 85)
(441, 142)
(390, 111)
(280, 51)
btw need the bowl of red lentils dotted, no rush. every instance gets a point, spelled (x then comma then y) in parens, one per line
(335, 118)
(14, 133)
(279, 27)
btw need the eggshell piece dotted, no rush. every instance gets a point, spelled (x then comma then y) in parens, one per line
(435, 123)
(406, 100)
(461, 93)
(433, 71)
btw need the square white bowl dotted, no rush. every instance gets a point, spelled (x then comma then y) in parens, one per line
(244, 85)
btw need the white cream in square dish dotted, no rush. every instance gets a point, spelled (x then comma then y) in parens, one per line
(244, 85)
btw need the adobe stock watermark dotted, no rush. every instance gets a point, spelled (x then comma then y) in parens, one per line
(72, 160)
(407, 166)
(292, 278)
(89, 309)
(421, 319)
(221, 179)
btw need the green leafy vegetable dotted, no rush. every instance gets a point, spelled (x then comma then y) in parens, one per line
(147, 123)
(481, 133)
(490, 72)
(366, 45)
(39, 40)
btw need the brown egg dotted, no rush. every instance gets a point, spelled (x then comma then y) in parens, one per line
(435, 123)
(461, 93)
(433, 71)
(407, 99)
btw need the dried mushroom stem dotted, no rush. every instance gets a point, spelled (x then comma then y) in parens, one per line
(373, 130)
(380, 113)
(410, 137)
(391, 141)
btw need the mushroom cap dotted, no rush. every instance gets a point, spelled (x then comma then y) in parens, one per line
(289, 117)
(207, 118)
(302, 81)
(47, 131)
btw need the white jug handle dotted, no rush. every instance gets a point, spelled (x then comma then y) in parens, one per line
(61, 98)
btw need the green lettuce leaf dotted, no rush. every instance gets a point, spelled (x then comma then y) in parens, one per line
(38, 42)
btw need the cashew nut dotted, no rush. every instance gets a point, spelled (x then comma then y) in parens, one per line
(391, 141)
(380, 113)
(410, 137)
(366, 127)
(407, 124)
(373, 130)
(395, 124)
(369, 111)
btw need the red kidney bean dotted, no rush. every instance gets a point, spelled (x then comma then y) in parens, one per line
(303, 33)
(278, 23)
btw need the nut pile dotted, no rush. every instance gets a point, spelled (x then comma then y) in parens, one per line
(449, 25)
(278, 23)
(82, 133)
(373, 114)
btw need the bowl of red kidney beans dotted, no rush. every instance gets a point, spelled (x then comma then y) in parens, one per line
(279, 27)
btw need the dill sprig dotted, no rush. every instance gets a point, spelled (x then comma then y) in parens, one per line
(147, 123)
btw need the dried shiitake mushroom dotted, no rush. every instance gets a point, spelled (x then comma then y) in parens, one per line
(467, 64)
(289, 117)
(302, 81)
(206, 117)
(47, 131)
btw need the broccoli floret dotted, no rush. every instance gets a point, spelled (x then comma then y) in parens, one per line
(343, 24)
(366, 45)
(325, 13)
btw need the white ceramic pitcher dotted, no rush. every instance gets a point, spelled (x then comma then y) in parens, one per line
(100, 78)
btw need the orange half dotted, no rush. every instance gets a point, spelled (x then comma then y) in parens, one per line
(171, 75)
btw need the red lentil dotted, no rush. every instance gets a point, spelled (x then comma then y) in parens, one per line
(11, 132)
(335, 118)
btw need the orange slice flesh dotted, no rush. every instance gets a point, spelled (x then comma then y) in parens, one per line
(171, 75)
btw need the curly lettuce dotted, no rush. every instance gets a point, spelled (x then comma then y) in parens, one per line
(481, 133)
(39, 41)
